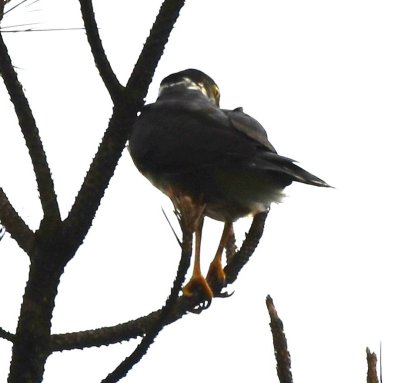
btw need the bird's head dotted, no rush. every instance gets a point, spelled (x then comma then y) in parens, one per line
(190, 79)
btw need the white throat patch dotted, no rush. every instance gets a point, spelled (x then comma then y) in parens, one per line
(189, 84)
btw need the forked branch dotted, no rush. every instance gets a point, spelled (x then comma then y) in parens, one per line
(30, 132)
(139, 327)
(126, 109)
(187, 222)
(15, 225)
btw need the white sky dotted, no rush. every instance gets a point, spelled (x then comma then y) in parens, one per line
(323, 78)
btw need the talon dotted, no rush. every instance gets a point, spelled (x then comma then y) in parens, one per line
(200, 307)
(198, 288)
(224, 294)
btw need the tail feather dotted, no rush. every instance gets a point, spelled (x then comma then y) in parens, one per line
(301, 175)
(284, 165)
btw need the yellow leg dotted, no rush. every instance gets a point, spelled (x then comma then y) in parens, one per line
(197, 284)
(198, 233)
(216, 274)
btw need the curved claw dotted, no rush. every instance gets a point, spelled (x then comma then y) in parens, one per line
(198, 289)
(224, 294)
(201, 307)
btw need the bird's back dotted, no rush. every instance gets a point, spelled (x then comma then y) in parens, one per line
(218, 157)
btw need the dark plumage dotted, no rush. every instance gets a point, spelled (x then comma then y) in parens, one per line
(220, 157)
(185, 144)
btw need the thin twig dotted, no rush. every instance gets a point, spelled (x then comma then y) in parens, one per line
(103, 65)
(380, 363)
(171, 227)
(17, 26)
(15, 225)
(42, 30)
(15, 6)
(282, 355)
(6, 335)
(27, 123)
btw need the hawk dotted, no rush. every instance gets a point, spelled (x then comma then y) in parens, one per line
(186, 145)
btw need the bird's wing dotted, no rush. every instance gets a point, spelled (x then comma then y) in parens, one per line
(180, 137)
(175, 138)
(248, 126)
(267, 158)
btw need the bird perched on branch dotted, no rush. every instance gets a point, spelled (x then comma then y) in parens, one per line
(187, 146)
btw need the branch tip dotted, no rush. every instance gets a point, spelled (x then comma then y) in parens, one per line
(282, 355)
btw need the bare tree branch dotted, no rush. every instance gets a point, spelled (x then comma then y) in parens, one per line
(55, 245)
(282, 354)
(32, 337)
(242, 256)
(185, 215)
(372, 375)
(103, 166)
(15, 225)
(153, 49)
(103, 65)
(2, 3)
(27, 123)
(140, 326)
(6, 335)
(121, 332)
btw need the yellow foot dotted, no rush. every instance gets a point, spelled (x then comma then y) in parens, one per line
(216, 277)
(198, 288)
